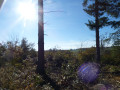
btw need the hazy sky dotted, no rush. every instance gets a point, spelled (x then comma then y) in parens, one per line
(64, 30)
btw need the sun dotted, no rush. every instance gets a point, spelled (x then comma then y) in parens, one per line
(27, 10)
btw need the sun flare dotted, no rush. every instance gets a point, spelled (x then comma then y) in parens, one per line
(27, 10)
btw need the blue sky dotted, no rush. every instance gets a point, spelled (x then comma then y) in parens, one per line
(65, 30)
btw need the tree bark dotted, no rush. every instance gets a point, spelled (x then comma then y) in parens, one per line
(97, 32)
(40, 63)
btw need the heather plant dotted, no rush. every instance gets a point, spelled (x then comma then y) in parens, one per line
(61, 66)
(88, 55)
(25, 77)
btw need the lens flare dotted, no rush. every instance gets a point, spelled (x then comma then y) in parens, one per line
(88, 72)
(2, 2)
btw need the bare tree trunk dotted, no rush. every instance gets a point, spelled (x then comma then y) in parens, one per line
(40, 63)
(97, 32)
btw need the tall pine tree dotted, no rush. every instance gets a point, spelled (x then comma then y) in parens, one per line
(95, 9)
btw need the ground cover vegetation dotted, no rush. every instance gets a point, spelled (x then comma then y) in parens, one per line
(18, 66)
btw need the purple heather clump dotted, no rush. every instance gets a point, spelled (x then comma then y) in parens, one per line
(88, 72)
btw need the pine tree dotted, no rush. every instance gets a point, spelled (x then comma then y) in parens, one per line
(95, 9)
